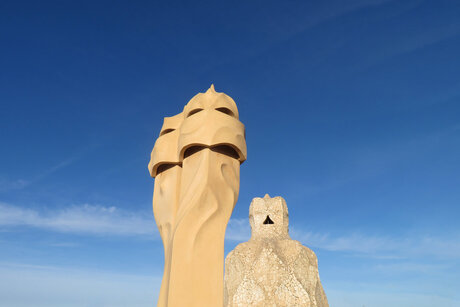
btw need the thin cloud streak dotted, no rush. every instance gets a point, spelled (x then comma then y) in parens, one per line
(387, 296)
(408, 44)
(100, 220)
(284, 32)
(8, 185)
(57, 167)
(363, 245)
(381, 246)
(84, 219)
(18, 184)
(37, 285)
(238, 230)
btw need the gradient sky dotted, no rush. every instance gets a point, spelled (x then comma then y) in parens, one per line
(352, 114)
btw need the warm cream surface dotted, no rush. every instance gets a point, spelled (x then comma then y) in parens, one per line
(271, 269)
(196, 164)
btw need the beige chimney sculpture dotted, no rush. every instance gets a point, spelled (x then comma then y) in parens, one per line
(271, 269)
(196, 164)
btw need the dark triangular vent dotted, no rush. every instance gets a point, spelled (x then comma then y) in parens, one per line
(268, 220)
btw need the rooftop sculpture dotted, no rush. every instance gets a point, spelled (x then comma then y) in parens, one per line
(271, 269)
(196, 164)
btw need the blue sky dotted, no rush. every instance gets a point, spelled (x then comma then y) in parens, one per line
(352, 114)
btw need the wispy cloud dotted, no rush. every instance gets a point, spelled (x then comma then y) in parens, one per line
(410, 267)
(409, 43)
(383, 246)
(363, 245)
(58, 166)
(292, 23)
(100, 220)
(37, 285)
(85, 219)
(7, 184)
(238, 230)
(364, 162)
(386, 296)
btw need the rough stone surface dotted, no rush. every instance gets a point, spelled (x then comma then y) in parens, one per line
(271, 269)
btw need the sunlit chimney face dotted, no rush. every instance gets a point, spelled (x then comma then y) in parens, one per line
(268, 217)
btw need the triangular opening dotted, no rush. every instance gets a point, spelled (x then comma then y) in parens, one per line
(268, 220)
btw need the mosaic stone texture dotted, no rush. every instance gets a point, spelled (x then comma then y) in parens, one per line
(271, 269)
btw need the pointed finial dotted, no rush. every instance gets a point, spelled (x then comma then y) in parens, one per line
(211, 88)
(267, 196)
